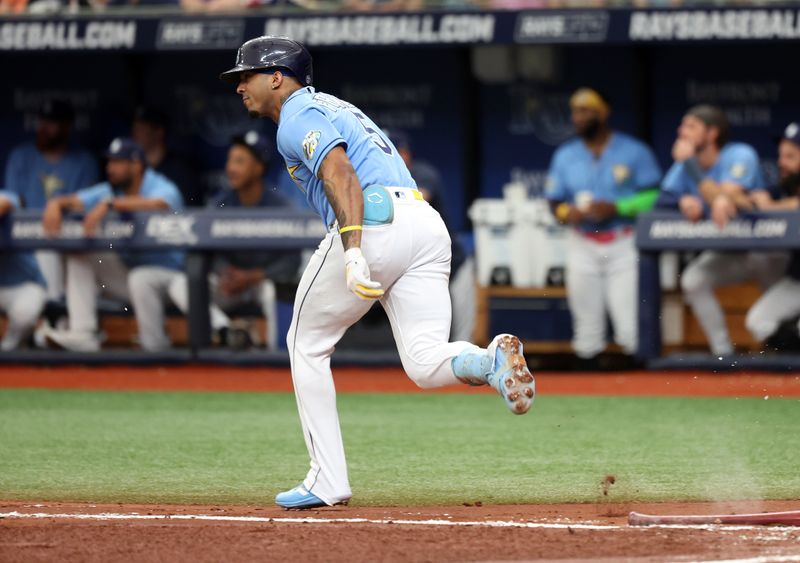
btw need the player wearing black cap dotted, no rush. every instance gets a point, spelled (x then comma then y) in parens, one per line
(51, 165)
(772, 319)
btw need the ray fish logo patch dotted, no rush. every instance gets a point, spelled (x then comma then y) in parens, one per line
(621, 173)
(310, 143)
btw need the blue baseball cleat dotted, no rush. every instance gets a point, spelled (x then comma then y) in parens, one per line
(510, 375)
(299, 498)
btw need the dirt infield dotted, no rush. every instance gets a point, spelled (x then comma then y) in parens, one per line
(458, 533)
(44, 531)
(394, 380)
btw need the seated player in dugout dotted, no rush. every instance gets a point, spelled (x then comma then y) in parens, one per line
(713, 177)
(251, 276)
(52, 164)
(773, 319)
(22, 293)
(597, 184)
(143, 278)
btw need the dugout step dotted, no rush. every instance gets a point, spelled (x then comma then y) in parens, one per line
(704, 361)
(107, 356)
(280, 358)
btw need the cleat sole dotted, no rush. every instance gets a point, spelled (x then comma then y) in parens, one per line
(520, 390)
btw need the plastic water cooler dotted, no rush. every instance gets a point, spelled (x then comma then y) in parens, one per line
(520, 234)
(491, 222)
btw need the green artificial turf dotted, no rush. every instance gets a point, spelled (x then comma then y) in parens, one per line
(402, 449)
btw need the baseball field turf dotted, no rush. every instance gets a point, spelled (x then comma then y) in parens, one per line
(403, 449)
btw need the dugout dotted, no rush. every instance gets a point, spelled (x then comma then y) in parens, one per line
(482, 94)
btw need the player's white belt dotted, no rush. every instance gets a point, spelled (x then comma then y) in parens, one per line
(405, 195)
(379, 203)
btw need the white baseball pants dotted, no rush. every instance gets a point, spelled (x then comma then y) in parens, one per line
(411, 259)
(145, 287)
(51, 264)
(780, 303)
(462, 294)
(602, 277)
(23, 305)
(264, 294)
(714, 269)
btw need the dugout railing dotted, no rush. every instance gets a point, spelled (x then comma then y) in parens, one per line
(662, 231)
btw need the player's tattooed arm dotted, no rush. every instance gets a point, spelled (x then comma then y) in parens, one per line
(343, 191)
(5, 205)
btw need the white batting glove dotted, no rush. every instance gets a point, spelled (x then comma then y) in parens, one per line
(358, 276)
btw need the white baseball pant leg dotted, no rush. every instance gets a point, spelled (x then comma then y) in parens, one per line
(88, 275)
(462, 295)
(411, 259)
(780, 303)
(178, 291)
(268, 299)
(150, 288)
(714, 269)
(51, 264)
(586, 296)
(23, 305)
(264, 294)
(622, 290)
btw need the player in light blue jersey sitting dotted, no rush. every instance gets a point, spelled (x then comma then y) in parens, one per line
(714, 177)
(385, 243)
(144, 278)
(51, 165)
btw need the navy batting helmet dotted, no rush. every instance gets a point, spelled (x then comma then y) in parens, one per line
(267, 52)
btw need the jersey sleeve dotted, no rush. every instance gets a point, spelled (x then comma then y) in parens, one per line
(93, 195)
(169, 193)
(648, 172)
(10, 196)
(555, 187)
(308, 137)
(676, 182)
(741, 167)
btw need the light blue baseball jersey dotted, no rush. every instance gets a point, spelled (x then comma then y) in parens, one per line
(737, 163)
(35, 179)
(625, 167)
(154, 186)
(311, 124)
(17, 267)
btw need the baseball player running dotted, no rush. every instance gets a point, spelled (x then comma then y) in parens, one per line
(385, 243)
(713, 177)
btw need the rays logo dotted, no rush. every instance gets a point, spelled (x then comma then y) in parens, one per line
(310, 143)
(621, 173)
(738, 170)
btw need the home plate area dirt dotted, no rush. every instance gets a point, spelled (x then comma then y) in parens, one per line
(573, 532)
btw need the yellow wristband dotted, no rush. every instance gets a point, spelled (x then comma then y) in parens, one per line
(562, 211)
(350, 228)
